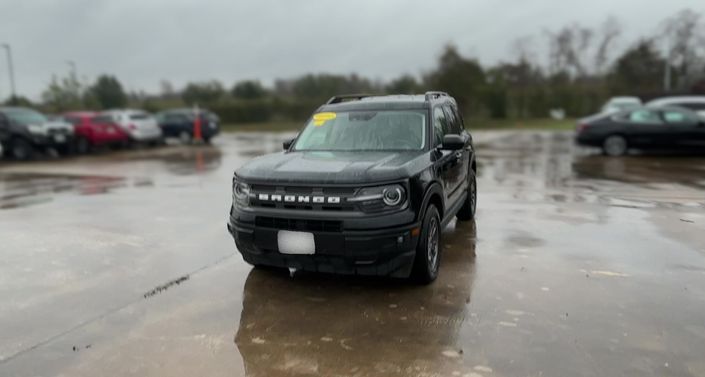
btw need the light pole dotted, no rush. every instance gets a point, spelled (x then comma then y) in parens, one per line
(8, 50)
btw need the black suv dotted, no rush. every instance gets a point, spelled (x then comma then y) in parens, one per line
(365, 188)
(179, 123)
(24, 131)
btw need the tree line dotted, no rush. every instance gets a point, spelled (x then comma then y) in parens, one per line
(581, 67)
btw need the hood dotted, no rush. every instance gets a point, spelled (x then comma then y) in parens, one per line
(333, 167)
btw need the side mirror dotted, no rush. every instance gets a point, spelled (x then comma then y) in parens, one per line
(287, 144)
(453, 142)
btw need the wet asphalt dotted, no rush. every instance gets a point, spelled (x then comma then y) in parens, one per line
(577, 265)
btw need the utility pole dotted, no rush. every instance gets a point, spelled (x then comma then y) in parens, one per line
(667, 69)
(72, 66)
(8, 50)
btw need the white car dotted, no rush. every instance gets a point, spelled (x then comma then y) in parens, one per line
(694, 103)
(140, 125)
(617, 104)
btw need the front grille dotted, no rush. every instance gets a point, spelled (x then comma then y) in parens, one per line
(298, 224)
(342, 193)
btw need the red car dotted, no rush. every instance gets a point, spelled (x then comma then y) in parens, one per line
(93, 130)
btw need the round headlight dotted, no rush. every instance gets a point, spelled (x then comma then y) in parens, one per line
(392, 196)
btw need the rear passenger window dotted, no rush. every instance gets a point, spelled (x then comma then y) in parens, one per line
(440, 125)
(674, 116)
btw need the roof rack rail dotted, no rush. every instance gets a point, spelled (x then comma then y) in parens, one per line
(347, 97)
(433, 95)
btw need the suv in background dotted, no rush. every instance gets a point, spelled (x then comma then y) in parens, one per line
(366, 188)
(24, 131)
(180, 122)
(140, 126)
(694, 103)
(93, 130)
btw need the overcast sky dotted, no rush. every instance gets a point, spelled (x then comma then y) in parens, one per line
(146, 41)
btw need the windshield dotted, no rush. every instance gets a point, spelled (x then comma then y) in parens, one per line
(364, 130)
(25, 117)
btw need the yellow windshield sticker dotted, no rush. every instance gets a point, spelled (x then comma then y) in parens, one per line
(321, 118)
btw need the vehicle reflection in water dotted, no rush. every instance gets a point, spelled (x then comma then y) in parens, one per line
(330, 325)
(23, 189)
(182, 160)
(687, 171)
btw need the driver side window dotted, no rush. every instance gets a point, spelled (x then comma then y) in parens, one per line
(440, 125)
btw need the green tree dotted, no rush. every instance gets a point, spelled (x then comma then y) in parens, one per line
(203, 92)
(639, 70)
(460, 77)
(405, 84)
(324, 86)
(63, 94)
(248, 89)
(18, 101)
(107, 92)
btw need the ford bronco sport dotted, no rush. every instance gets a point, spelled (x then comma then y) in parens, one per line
(365, 188)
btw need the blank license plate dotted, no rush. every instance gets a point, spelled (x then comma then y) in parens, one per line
(301, 243)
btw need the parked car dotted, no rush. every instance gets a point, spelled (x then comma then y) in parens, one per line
(140, 126)
(366, 188)
(180, 123)
(94, 130)
(641, 128)
(24, 131)
(695, 103)
(617, 104)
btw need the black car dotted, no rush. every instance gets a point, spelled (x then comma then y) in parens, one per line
(25, 131)
(180, 123)
(642, 128)
(365, 188)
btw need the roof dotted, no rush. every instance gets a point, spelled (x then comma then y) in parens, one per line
(384, 102)
(678, 99)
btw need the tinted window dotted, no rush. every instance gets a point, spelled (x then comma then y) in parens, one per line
(25, 117)
(139, 116)
(644, 116)
(102, 119)
(175, 117)
(440, 125)
(675, 116)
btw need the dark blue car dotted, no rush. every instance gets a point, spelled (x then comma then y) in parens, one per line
(180, 123)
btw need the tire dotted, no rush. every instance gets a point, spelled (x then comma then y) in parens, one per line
(428, 250)
(83, 146)
(21, 150)
(615, 145)
(467, 211)
(185, 137)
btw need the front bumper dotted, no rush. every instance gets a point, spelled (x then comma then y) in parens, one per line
(379, 252)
